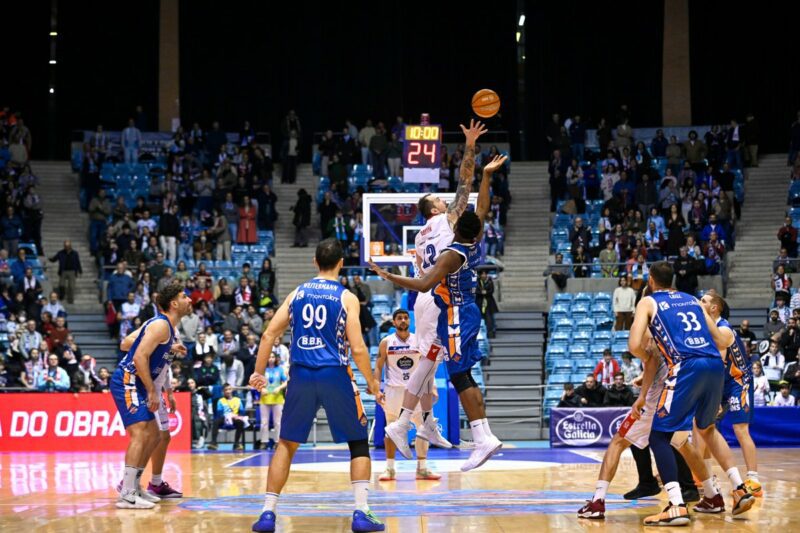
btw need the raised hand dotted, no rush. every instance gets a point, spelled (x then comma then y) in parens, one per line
(378, 270)
(496, 162)
(475, 130)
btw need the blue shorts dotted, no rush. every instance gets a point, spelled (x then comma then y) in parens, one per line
(458, 329)
(329, 387)
(130, 396)
(737, 401)
(692, 391)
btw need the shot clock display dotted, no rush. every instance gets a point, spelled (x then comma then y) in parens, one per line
(422, 154)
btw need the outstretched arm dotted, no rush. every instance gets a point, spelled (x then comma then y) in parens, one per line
(466, 172)
(483, 195)
(447, 263)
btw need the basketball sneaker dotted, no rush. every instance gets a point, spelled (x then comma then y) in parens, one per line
(132, 500)
(147, 495)
(482, 452)
(672, 515)
(363, 522)
(431, 432)
(388, 475)
(426, 475)
(595, 510)
(398, 432)
(710, 505)
(742, 500)
(265, 523)
(163, 491)
(754, 488)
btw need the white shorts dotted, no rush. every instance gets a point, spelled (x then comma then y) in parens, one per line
(394, 402)
(426, 319)
(637, 432)
(162, 416)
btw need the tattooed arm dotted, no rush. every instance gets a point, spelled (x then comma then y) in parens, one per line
(466, 172)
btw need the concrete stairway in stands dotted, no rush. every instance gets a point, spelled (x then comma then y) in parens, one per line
(92, 337)
(757, 243)
(294, 265)
(513, 375)
(527, 238)
(63, 220)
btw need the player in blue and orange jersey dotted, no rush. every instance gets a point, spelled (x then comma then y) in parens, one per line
(135, 394)
(690, 343)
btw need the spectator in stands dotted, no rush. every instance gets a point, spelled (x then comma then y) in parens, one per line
(791, 375)
(752, 134)
(686, 271)
(747, 335)
(247, 223)
(99, 212)
(618, 394)
(302, 218)
(608, 181)
(58, 336)
(232, 370)
(630, 368)
(773, 362)
(781, 284)
(577, 135)
(54, 379)
(364, 139)
(569, 398)
(486, 302)
(557, 170)
(558, 271)
(243, 295)
(658, 146)
(69, 268)
(624, 304)
(734, 141)
(582, 263)
(761, 387)
(714, 252)
(364, 295)
(591, 393)
(696, 151)
(267, 213)
(783, 398)
(774, 326)
(131, 140)
(783, 259)
(579, 235)
(606, 369)
(674, 152)
(54, 306)
(624, 134)
(378, 147)
(790, 340)
(609, 260)
(655, 242)
(646, 194)
(788, 237)
(207, 374)
(30, 339)
(625, 190)
(11, 225)
(229, 414)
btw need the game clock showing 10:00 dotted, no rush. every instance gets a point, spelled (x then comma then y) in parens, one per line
(423, 147)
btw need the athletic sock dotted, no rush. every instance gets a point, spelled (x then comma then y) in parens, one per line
(156, 480)
(674, 492)
(735, 477)
(360, 492)
(709, 490)
(390, 464)
(139, 472)
(129, 478)
(478, 434)
(405, 416)
(600, 490)
(422, 464)
(270, 502)
(752, 474)
(486, 428)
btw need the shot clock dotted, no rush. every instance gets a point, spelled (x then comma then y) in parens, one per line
(422, 153)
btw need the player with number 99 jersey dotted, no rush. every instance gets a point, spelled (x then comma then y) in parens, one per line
(317, 319)
(693, 388)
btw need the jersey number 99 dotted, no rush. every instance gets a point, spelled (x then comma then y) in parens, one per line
(314, 315)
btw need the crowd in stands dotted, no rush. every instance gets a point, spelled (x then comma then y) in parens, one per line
(636, 201)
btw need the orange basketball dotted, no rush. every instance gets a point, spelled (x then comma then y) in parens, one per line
(485, 103)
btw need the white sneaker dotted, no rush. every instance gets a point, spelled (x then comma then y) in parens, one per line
(399, 435)
(431, 432)
(201, 442)
(143, 494)
(482, 453)
(132, 500)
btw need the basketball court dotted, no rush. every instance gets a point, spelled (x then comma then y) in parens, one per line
(525, 488)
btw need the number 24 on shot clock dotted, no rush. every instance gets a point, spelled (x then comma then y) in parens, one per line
(423, 147)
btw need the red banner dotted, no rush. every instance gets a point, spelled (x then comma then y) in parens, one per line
(57, 422)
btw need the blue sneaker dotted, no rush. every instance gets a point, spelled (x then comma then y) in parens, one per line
(366, 522)
(265, 523)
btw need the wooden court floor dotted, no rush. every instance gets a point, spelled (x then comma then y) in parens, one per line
(524, 490)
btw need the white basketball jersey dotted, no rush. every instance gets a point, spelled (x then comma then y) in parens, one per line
(432, 239)
(402, 357)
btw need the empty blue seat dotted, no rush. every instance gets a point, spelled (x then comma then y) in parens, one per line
(604, 336)
(584, 366)
(554, 351)
(579, 350)
(622, 335)
(582, 335)
(558, 379)
(562, 297)
(583, 297)
(578, 377)
(560, 335)
(584, 324)
(562, 366)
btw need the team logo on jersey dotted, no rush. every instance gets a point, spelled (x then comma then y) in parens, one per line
(300, 294)
(405, 362)
(663, 306)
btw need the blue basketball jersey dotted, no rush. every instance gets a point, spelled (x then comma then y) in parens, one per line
(318, 318)
(679, 328)
(161, 356)
(458, 288)
(737, 364)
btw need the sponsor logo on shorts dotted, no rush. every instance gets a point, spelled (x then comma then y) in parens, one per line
(579, 429)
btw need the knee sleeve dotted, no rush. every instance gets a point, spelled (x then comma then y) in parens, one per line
(358, 448)
(462, 381)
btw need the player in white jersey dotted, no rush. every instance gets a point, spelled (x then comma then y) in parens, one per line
(430, 242)
(399, 355)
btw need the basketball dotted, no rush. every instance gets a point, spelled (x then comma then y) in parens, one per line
(485, 103)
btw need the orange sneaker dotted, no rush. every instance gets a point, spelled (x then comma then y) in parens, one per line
(754, 488)
(388, 475)
(672, 515)
(742, 500)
